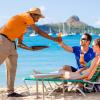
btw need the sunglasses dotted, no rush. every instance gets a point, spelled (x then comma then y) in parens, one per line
(84, 39)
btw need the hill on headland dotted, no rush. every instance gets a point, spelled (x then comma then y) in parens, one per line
(75, 22)
(72, 25)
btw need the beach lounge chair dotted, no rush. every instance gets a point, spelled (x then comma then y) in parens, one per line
(55, 78)
(94, 80)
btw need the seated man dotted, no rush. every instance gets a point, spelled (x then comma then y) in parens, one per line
(83, 74)
(83, 53)
(89, 72)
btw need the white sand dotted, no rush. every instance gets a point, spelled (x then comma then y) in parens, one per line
(57, 96)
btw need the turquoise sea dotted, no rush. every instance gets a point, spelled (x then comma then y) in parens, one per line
(46, 60)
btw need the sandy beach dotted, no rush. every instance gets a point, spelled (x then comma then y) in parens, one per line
(57, 96)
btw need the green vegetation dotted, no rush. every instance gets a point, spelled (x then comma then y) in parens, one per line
(72, 25)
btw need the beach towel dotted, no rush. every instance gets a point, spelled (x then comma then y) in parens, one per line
(49, 75)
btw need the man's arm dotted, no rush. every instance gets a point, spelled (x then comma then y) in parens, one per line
(33, 48)
(60, 42)
(44, 34)
(23, 46)
(67, 48)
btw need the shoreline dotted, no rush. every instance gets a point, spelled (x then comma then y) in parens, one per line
(58, 96)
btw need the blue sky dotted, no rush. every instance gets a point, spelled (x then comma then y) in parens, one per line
(54, 10)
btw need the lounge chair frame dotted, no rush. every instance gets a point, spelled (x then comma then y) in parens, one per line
(85, 82)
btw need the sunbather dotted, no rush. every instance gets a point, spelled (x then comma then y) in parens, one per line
(85, 74)
(88, 73)
(83, 53)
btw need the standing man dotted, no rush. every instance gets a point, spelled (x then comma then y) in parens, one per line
(15, 28)
(83, 53)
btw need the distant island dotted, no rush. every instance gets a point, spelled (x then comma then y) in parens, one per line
(70, 26)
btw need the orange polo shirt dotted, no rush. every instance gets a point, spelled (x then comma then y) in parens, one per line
(17, 26)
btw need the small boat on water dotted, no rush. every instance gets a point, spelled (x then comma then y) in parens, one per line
(50, 31)
(33, 34)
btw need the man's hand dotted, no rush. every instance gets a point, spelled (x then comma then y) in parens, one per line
(23, 46)
(58, 39)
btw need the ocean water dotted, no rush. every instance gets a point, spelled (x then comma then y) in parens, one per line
(46, 60)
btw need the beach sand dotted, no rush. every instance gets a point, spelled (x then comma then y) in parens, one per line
(57, 96)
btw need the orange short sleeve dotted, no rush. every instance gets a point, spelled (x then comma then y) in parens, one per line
(17, 26)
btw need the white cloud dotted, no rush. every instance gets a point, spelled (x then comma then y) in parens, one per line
(3, 20)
